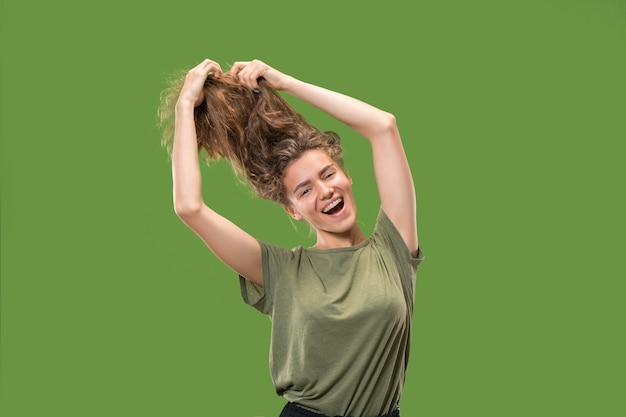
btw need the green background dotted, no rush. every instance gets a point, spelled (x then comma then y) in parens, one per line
(513, 119)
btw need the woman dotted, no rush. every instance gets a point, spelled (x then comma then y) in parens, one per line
(341, 310)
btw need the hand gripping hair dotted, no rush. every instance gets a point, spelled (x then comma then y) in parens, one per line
(257, 132)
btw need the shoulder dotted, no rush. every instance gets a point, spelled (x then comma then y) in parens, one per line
(387, 235)
(277, 262)
(279, 253)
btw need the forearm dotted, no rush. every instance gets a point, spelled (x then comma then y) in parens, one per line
(185, 165)
(393, 174)
(365, 119)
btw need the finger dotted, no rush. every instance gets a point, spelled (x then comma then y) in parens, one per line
(244, 76)
(238, 66)
(249, 78)
(250, 81)
(250, 73)
(215, 70)
(205, 65)
(209, 67)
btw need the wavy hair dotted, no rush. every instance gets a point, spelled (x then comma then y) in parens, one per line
(258, 133)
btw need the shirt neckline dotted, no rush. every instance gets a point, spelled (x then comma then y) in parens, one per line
(340, 249)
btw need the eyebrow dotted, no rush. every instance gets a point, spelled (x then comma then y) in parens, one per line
(308, 181)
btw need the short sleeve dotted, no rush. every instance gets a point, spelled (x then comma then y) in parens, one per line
(389, 240)
(276, 263)
(385, 230)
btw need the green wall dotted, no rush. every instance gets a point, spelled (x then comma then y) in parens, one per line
(512, 114)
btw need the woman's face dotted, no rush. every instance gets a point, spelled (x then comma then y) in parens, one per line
(321, 193)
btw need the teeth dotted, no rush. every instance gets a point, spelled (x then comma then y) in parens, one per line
(331, 205)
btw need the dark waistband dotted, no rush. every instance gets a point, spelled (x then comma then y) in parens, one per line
(292, 410)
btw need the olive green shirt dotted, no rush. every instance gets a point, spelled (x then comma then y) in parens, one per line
(341, 322)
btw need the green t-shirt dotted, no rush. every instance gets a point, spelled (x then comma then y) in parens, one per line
(341, 322)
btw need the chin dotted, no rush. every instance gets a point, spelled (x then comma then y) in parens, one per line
(341, 222)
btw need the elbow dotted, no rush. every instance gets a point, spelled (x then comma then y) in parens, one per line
(185, 210)
(383, 125)
(389, 123)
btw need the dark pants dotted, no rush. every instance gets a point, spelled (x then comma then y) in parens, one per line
(292, 410)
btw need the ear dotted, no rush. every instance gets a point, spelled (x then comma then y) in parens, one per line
(292, 212)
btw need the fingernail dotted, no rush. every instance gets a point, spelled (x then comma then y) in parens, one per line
(256, 91)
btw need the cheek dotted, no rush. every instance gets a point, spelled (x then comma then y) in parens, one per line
(309, 204)
(344, 182)
(302, 205)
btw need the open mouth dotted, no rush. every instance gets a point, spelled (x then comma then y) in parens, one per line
(334, 207)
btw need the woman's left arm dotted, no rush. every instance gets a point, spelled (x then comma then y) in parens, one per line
(393, 174)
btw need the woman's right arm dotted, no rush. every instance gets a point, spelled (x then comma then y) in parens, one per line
(233, 246)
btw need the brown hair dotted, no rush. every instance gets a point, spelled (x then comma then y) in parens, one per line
(259, 133)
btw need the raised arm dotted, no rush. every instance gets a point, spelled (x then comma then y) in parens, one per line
(391, 168)
(236, 248)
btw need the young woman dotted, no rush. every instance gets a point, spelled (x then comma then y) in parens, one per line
(341, 310)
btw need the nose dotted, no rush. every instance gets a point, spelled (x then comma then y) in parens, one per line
(327, 192)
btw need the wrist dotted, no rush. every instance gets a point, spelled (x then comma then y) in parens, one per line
(288, 84)
(183, 105)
